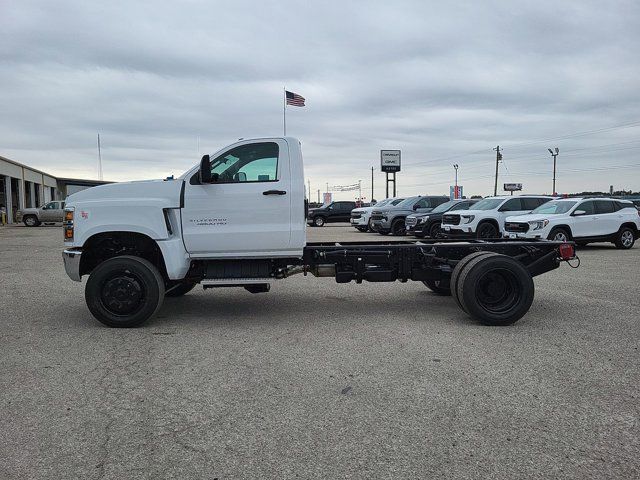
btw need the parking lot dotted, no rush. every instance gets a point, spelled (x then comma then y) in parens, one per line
(319, 380)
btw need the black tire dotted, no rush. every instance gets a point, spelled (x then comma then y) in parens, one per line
(434, 230)
(124, 291)
(361, 229)
(398, 228)
(438, 287)
(625, 238)
(455, 275)
(559, 234)
(370, 225)
(31, 221)
(319, 221)
(582, 244)
(496, 290)
(383, 232)
(177, 289)
(487, 230)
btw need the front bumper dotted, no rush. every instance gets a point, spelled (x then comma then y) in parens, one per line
(71, 259)
(360, 221)
(457, 232)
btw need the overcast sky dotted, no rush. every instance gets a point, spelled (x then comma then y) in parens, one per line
(445, 82)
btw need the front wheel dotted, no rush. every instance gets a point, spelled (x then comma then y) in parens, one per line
(124, 291)
(559, 235)
(435, 230)
(438, 287)
(318, 221)
(625, 239)
(31, 221)
(487, 230)
(397, 227)
(361, 229)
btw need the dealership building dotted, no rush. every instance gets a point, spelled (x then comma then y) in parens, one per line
(22, 187)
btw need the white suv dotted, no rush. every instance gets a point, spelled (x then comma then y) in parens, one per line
(583, 220)
(360, 217)
(486, 218)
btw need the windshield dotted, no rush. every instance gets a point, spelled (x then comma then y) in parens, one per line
(487, 204)
(443, 207)
(382, 203)
(397, 201)
(408, 203)
(554, 208)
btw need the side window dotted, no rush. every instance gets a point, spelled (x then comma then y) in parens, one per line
(62, 205)
(462, 206)
(422, 203)
(542, 201)
(255, 162)
(512, 205)
(604, 206)
(439, 201)
(530, 203)
(49, 206)
(587, 207)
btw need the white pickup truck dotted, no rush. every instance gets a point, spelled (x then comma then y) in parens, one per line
(238, 219)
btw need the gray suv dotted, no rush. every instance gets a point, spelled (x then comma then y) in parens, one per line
(390, 219)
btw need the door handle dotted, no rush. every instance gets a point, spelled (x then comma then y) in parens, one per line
(274, 192)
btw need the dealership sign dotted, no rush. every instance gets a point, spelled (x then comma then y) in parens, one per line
(455, 192)
(512, 187)
(390, 160)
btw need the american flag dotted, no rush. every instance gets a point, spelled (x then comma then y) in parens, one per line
(294, 99)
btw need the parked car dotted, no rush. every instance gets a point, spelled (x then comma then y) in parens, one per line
(486, 218)
(581, 220)
(428, 224)
(332, 212)
(361, 217)
(390, 219)
(50, 213)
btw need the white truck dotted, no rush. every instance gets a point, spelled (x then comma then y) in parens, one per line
(238, 220)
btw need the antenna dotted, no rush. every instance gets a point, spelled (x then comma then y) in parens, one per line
(99, 160)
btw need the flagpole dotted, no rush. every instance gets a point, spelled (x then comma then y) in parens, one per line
(284, 110)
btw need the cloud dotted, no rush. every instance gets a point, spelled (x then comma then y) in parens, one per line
(437, 80)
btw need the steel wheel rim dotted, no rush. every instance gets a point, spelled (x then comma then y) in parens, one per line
(122, 294)
(319, 221)
(498, 291)
(30, 221)
(627, 238)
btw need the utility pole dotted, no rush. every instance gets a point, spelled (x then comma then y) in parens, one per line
(360, 192)
(99, 159)
(371, 184)
(498, 158)
(309, 189)
(554, 155)
(318, 195)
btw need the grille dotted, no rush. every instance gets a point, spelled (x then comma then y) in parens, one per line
(356, 215)
(411, 221)
(451, 219)
(516, 227)
(376, 215)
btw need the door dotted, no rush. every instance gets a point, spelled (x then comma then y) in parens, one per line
(343, 213)
(512, 207)
(422, 206)
(607, 218)
(246, 210)
(48, 212)
(584, 225)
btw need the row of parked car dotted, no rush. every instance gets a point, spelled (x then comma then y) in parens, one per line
(583, 220)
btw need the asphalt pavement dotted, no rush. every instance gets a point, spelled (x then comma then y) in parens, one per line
(319, 380)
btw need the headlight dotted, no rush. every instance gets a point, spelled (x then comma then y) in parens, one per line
(467, 218)
(423, 219)
(67, 225)
(538, 224)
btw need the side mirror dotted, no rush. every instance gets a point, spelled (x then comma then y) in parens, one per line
(577, 213)
(204, 174)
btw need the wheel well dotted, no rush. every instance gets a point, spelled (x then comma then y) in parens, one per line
(630, 225)
(493, 221)
(102, 246)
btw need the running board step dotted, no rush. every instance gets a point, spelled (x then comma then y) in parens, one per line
(219, 282)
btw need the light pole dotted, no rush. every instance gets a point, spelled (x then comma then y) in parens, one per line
(455, 190)
(554, 155)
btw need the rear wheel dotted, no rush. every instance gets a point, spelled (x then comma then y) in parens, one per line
(496, 290)
(487, 230)
(455, 275)
(625, 238)
(439, 287)
(397, 227)
(124, 291)
(559, 235)
(319, 221)
(31, 221)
